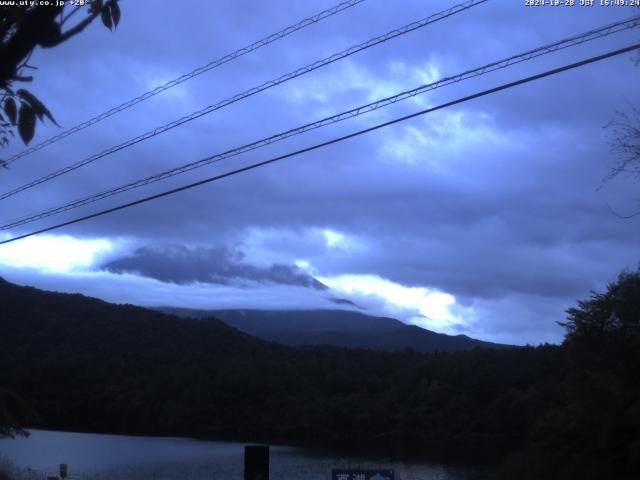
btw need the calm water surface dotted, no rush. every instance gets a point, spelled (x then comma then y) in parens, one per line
(119, 457)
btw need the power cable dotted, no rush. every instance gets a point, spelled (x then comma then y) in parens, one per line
(252, 91)
(188, 76)
(504, 63)
(329, 142)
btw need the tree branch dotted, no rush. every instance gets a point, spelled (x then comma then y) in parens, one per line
(83, 24)
(67, 17)
(625, 217)
(37, 27)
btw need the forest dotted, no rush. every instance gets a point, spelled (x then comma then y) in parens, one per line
(70, 362)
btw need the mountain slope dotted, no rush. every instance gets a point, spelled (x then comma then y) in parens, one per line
(69, 362)
(81, 364)
(340, 328)
(37, 323)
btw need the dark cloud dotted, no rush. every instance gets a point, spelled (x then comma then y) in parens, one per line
(495, 201)
(183, 265)
(344, 301)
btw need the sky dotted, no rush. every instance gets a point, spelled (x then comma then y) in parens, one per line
(488, 219)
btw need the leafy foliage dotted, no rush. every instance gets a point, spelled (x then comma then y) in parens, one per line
(23, 27)
(613, 313)
(14, 414)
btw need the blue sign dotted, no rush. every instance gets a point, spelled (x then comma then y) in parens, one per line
(350, 474)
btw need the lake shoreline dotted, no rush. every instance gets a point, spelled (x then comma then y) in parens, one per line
(461, 453)
(126, 457)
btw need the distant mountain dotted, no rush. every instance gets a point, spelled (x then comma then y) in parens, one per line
(40, 324)
(70, 362)
(340, 328)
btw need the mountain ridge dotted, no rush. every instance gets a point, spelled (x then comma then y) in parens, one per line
(340, 328)
(37, 323)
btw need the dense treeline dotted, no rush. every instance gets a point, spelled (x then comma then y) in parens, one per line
(545, 412)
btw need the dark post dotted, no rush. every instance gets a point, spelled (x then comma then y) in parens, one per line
(256, 462)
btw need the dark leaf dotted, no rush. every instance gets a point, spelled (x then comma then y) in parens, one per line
(26, 122)
(15, 14)
(115, 13)
(106, 18)
(96, 6)
(31, 99)
(11, 110)
(38, 106)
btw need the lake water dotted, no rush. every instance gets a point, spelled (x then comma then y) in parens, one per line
(119, 457)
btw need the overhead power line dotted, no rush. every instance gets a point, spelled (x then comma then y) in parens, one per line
(333, 141)
(252, 91)
(500, 64)
(188, 76)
